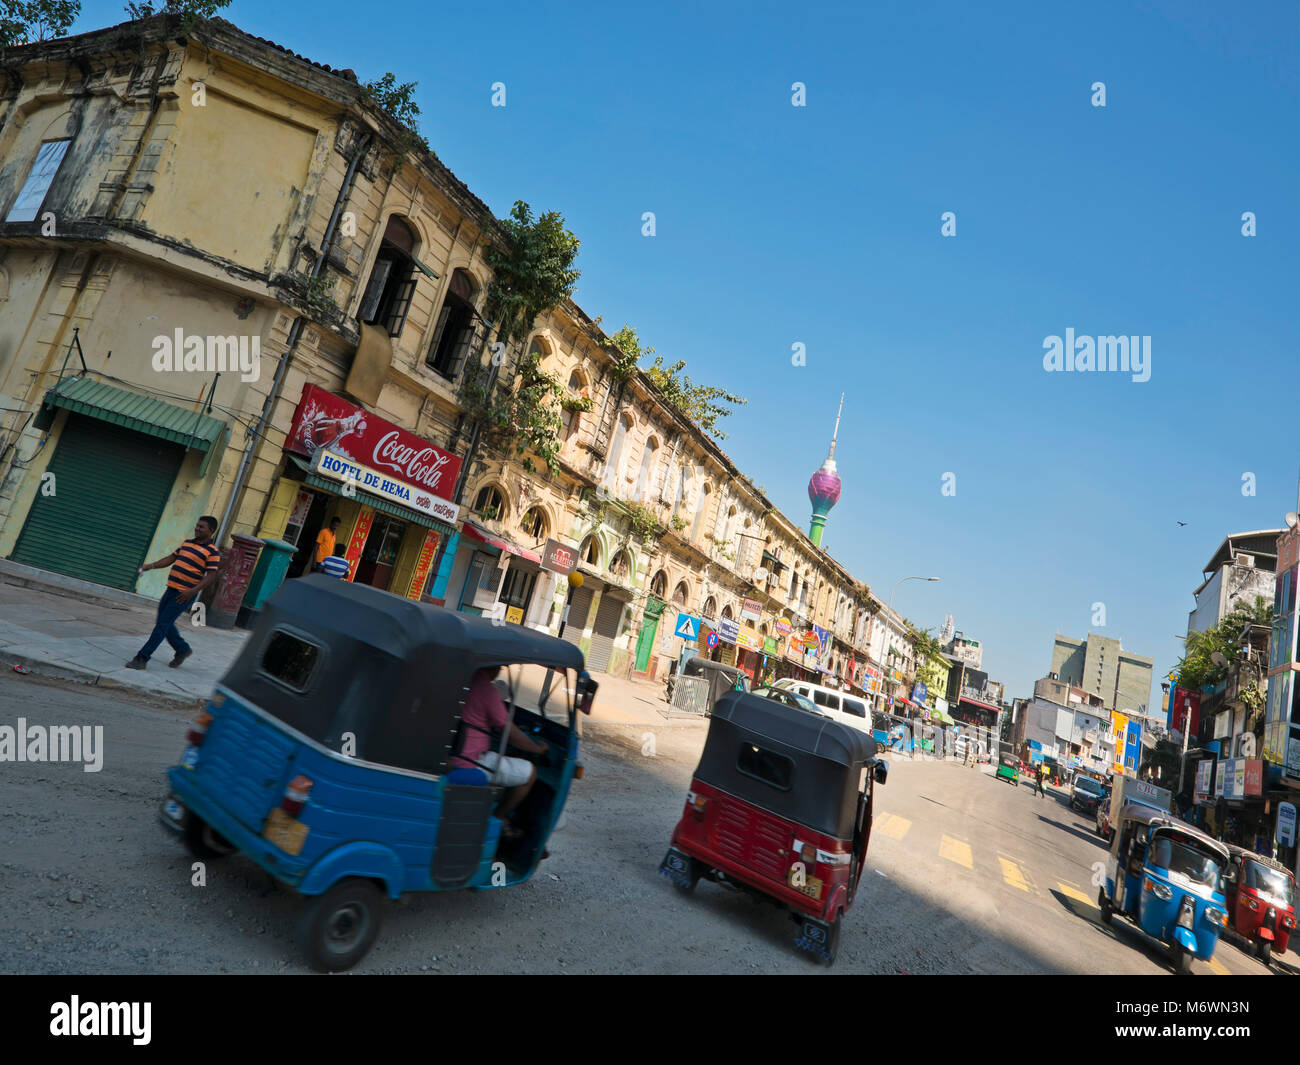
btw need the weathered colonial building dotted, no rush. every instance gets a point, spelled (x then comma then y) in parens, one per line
(231, 285)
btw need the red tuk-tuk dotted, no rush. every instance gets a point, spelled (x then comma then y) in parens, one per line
(1260, 893)
(780, 807)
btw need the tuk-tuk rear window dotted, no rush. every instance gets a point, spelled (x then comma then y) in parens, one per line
(770, 768)
(290, 660)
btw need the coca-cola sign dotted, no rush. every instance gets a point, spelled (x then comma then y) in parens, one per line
(324, 420)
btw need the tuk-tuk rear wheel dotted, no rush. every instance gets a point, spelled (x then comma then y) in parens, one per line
(203, 841)
(339, 927)
(833, 942)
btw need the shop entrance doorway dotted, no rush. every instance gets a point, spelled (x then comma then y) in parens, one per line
(378, 557)
(306, 533)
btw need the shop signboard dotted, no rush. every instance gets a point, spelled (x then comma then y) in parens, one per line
(339, 468)
(728, 630)
(770, 645)
(748, 638)
(1286, 822)
(1293, 754)
(515, 615)
(324, 420)
(357, 542)
(1220, 779)
(1253, 772)
(422, 565)
(1187, 711)
(1204, 777)
(783, 627)
(918, 693)
(559, 558)
(751, 610)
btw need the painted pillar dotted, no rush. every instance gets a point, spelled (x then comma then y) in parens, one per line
(438, 589)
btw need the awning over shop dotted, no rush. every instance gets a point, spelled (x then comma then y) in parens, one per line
(981, 705)
(483, 536)
(379, 503)
(191, 429)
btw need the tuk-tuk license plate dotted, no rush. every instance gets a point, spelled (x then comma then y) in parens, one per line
(286, 833)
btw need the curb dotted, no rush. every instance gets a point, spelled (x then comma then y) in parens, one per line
(41, 670)
(31, 577)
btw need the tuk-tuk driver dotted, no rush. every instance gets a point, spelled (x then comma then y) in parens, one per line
(485, 710)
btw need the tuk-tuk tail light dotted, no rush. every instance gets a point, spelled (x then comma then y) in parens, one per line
(698, 805)
(198, 731)
(808, 854)
(296, 795)
(1157, 889)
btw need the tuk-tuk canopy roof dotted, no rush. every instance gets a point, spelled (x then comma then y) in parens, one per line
(1148, 815)
(1271, 863)
(400, 626)
(699, 665)
(801, 729)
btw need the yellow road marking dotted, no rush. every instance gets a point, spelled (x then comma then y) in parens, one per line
(956, 851)
(1076, 894)
(1012, 874)
(1218, 967)
(894, 827)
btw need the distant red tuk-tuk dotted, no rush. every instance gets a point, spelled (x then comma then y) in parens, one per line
(1260, 893)
(780, 807)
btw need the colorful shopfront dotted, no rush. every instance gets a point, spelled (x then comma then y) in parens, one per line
(387, 487)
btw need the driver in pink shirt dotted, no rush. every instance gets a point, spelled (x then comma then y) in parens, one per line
(484, 710)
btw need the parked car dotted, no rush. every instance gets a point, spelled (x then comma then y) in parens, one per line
(839, 706)
(1086, 794)
(788, 698)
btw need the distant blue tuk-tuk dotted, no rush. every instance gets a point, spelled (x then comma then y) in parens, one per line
(323, 755)
(1164, 875)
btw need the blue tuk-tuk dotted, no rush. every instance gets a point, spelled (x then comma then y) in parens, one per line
(1164, 875)
(324, 755)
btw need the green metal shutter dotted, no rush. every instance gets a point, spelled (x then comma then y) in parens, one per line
(110, 488)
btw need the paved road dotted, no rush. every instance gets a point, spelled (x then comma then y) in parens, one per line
(965, 875)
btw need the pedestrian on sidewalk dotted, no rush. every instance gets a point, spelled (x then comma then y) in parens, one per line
(194, 569)
(325, 545)
(1038, 782)
(337, 565)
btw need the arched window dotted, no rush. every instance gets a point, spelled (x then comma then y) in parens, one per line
(589, 551)
(659, 584)
(729, 527)
(710, 608)
(392, 279)
(643, 478)
(682, 477)
(726, 613)
(622, 565)
(489, 504)
(454, 330)
(681, 594)
(534, 522)
(572, 419)
(701, 508)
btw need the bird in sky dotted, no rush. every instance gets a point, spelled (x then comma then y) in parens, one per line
(1180, 522)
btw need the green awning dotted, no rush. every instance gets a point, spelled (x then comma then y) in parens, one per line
(143, 414)
(385, 506)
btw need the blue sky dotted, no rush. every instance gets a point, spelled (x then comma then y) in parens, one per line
(821, 225)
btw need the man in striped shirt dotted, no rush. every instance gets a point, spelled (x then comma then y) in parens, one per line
(194, 568)
(337, 564)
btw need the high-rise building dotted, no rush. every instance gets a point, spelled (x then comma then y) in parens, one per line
(1101, 666)
(824, 486)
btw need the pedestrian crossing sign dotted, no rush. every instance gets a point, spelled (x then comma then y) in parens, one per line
(688, 627)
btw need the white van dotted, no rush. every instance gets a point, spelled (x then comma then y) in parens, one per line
(844, 707)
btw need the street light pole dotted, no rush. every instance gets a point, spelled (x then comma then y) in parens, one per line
(881, 695)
